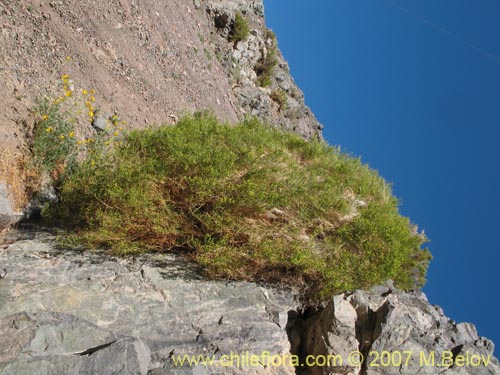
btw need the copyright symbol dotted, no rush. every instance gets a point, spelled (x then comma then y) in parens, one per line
(355, 359)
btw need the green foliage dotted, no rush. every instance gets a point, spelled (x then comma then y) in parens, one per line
(240, 29)
(265, 67)
(280, 97)
(54, 144)
(208, 55)
(246, 202)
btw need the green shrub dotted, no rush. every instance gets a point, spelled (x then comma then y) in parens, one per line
(246, 202)
(239, 30)
(265, 67)
(280, 97)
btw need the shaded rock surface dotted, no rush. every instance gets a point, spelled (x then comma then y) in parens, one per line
(5, 207)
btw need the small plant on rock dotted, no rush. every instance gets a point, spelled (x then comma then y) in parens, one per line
(240, 29)
(265, 67)
(280, 97)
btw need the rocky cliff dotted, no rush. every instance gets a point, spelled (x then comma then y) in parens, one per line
(68, 311)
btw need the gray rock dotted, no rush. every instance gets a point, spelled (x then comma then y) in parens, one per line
(55, 343)
(57, 302)
(246, 7)
(5, 206)
(387, 320)
(248, 55)
(236, 55)
(254, 100)
(7, 214)
(69, 311)
(99, 123)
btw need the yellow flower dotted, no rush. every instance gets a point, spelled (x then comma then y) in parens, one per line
(92, 163)
(65, 78)
(68, 93)
(91, 114)
(92, 91)
(116, 133)
(45, 117)
(124, 122)
(61, 137)
(68, 58)
(92, 99)
(71, 134)
(84, 92)
(59, 100)
(80, 142)
(49, 129)
(106, 143)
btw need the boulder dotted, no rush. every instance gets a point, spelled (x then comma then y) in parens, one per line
(8, 215)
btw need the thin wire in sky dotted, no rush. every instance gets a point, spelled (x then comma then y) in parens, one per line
(444, 31)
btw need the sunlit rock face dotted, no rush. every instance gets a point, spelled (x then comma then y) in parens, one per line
(68, 311)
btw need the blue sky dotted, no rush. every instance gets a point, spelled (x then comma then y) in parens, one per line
(413, 87)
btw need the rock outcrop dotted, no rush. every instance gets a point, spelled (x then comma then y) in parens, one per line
(394, 332)
(241, 60)
(68, 311)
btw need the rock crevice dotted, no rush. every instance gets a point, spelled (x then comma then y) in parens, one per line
(393, 331)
